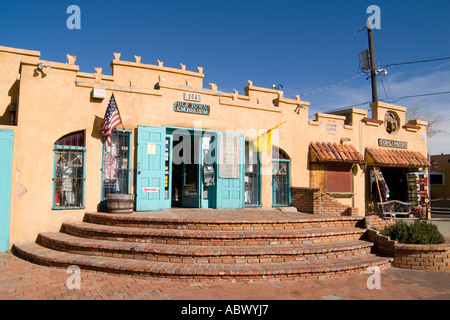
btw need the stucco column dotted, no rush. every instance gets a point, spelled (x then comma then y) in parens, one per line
(266, 179)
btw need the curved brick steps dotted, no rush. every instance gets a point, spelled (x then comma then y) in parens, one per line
(201, 244)
(202, 254)
(198, 271)
(210, 237)
(217, 222)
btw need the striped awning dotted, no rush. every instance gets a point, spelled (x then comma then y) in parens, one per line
(395, 157)
(335, 152)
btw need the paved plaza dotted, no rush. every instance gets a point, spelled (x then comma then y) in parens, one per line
(22, 280)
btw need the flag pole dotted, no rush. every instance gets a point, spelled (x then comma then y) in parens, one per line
(118, 110)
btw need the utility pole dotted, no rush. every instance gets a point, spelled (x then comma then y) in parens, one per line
(373, 68)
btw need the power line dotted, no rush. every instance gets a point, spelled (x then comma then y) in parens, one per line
(300, 58)
(344, 38)
(361, 73)
(394, 101)
(417, 61)
(421, 95)
(333, 85)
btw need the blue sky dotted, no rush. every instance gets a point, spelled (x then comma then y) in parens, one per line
(303, 45)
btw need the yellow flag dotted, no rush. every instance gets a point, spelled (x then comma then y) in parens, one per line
(263, 142)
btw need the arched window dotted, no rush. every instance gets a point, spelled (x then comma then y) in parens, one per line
(74, 139)
(281, 181)
(278, 153)
(69, 171)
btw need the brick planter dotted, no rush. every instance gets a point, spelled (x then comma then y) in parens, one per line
(311, 200)
(412, 256)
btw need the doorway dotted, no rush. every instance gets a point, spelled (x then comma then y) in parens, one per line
(193, 172)
(184, 167)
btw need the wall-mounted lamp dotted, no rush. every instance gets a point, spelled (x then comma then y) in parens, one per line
(42, 66)
(298, 108)
(363, 165)
(40, 69)
(12, 112)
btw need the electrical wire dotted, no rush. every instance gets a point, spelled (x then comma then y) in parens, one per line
(300, 58)
(347, 36)
(412, 62)
(385, 92)
(333, 85)
(393, 101)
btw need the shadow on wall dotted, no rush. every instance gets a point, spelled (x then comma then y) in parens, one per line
(5, 118)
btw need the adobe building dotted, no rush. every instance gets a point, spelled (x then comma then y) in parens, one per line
(439, 175)
(184, 144)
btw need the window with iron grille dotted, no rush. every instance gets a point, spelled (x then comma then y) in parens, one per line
(116, 164)
(281, 182)
(69, 172)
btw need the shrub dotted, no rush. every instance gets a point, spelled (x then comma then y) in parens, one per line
(420, 232)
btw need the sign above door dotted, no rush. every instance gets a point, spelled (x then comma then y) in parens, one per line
(188, 107)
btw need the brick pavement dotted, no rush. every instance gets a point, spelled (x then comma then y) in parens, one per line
(21, 280)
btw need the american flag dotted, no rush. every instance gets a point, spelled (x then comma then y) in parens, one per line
(111, 121)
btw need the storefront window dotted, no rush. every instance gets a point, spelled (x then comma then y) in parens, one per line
(69, 175)
(116, 168)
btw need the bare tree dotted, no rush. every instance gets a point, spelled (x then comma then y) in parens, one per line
(421, 112)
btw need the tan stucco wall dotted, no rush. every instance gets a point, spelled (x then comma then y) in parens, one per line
(61, 102)
(441, 164)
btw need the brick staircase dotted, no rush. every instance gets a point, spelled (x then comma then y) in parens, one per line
(191, 245)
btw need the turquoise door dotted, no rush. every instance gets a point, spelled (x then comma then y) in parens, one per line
(230, 175)
(6, 146)
(150, 175)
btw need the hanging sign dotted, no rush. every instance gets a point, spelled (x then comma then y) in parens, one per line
(393, 143)
(151, 148)
(188, 107)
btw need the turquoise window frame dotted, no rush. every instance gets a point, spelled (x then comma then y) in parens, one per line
(289, 199)
(55, 149)
(102, 197)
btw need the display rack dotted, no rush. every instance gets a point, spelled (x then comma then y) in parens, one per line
(418, 188)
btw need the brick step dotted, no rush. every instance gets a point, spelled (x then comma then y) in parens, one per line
(202, 254)
(198, 271)
(220, 222)
(210, 237)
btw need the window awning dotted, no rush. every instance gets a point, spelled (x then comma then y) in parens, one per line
(332, 152)
(395, 157)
